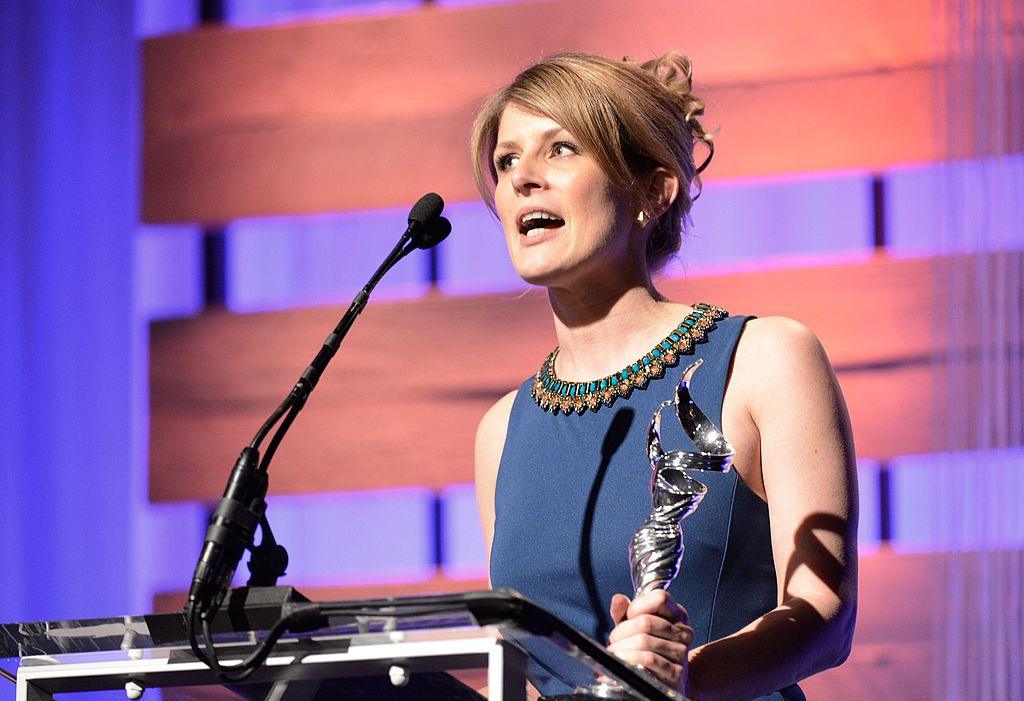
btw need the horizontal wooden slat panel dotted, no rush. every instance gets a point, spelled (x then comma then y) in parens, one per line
(401, 402)
(399, 405)
(824, 123)
(420, 52)
(869, 310)
(372, 112)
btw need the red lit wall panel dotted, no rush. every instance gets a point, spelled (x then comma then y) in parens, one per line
(368, 112)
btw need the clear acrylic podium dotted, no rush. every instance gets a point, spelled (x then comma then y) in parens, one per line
(401, 648)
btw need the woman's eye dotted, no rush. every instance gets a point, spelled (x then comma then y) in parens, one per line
(563, 148)
(503, 163)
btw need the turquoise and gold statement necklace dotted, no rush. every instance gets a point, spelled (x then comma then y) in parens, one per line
(555, 395)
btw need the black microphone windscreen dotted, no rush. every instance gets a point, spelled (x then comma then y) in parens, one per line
(432, 234)
(428, 207)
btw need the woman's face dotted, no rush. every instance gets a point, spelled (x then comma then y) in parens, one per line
(563, 219)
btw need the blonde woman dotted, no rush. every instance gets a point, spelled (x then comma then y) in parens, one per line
(589, 165)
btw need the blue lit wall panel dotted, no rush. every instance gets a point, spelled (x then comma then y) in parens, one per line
(763, 220)
(869, 524)
(958, 501)
(262, 12)
(281, 262)
(919, 220)
(465, 3)
(360, 537)
(172, 536)
(153, 17)
(465, 556)
(474, 258)
(168, 271)
(912, 213)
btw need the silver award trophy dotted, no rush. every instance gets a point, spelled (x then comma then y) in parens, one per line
(657, 546)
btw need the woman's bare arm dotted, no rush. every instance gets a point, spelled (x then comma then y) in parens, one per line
(808, 468)
(490, 442)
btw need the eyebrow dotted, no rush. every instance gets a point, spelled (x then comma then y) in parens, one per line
(543, 137)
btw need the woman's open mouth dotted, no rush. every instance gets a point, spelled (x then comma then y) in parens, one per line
(539, 224)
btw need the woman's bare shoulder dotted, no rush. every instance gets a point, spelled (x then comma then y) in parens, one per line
(776, 353)
(495, 421)
(778, 343)
(775, 334)
(490, 435)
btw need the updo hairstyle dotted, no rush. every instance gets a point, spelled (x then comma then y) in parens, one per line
(633, 118)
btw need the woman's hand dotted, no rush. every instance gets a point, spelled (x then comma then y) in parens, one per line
(651, 632)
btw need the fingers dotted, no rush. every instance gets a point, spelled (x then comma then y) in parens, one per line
(671, 650)
(653, 626)
(618, 608)
(670, 673)
(657, 603)
(653, 633)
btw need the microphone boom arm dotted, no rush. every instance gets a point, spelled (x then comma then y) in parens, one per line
(243, 505)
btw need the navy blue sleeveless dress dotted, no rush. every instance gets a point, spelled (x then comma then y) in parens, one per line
(572, 489)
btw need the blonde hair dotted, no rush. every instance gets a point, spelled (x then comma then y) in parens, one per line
(633, 118)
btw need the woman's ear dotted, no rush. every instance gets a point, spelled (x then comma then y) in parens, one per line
(662, 190)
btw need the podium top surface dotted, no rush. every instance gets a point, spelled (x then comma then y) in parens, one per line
(78, 636)
(252, 611)
(345, 627)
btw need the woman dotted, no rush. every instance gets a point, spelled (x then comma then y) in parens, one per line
(589, 165)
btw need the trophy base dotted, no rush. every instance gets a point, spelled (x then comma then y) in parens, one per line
(607, 690)
(603, 690)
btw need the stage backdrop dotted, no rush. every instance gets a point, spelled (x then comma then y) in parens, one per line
(867, 181)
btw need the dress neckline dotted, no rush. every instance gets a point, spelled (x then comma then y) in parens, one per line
(555, 395)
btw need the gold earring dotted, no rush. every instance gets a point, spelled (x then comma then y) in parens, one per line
(641, 217)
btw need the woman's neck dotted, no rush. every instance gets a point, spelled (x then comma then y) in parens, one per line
(599, 332)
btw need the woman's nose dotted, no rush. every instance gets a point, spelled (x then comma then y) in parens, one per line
(528, 175)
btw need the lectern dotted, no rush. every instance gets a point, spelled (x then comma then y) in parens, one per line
(397, 648)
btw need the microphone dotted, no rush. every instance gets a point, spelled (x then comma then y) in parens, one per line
(426, 209)
(432, 234)
(243, 506)
(427, 227)
(231, 530)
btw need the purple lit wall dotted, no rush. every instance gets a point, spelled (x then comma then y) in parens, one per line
(935, 208)
(778, 221)
(369, 537)
(285, 262)
(959, 501)
(68, 203)
(168, 272)
(244, 13)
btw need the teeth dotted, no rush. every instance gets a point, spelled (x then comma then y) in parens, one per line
(537, 215)
(535, 232)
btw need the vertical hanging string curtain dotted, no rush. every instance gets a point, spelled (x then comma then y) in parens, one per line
(979, 617)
